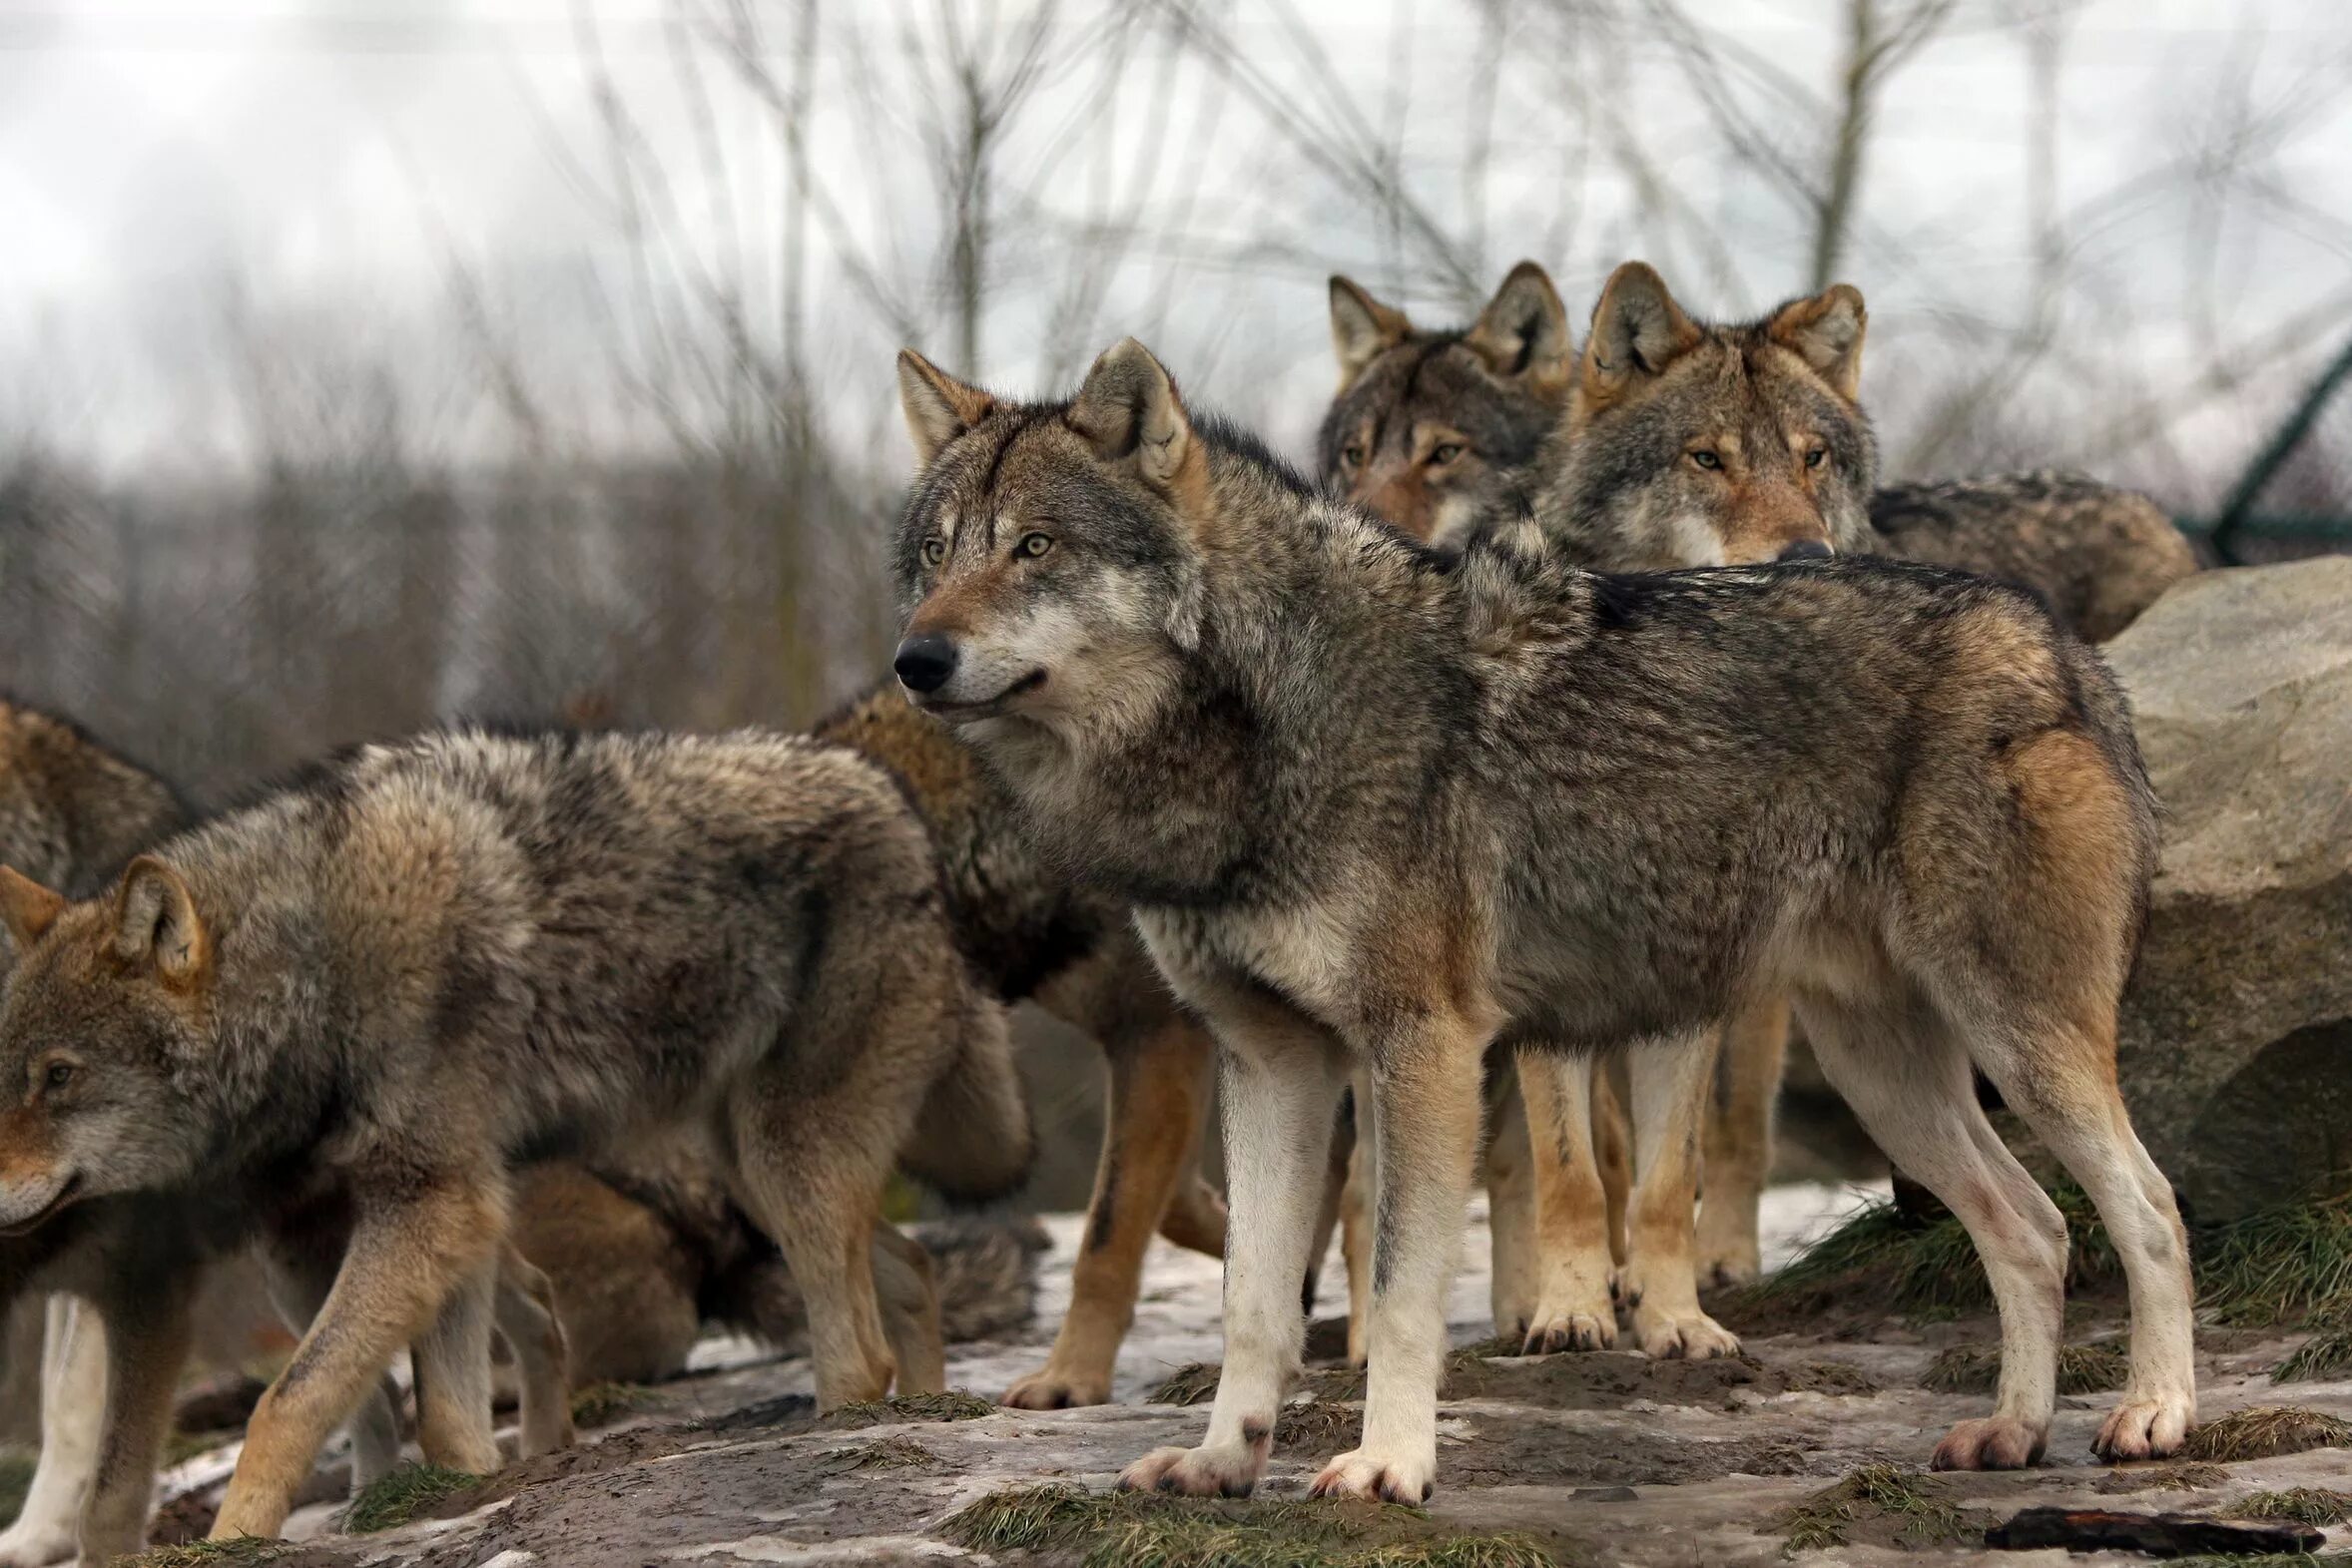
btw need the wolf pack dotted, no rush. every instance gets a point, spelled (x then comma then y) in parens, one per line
(1490, 806)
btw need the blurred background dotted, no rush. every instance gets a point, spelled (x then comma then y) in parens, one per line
(369, 363)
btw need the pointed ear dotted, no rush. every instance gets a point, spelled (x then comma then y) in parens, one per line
(155, 924)
(1361, 328)
(1826, 332)
(1128, 411)
(27, 908)
(939, 407)
(1523, 331)
(1637, 331)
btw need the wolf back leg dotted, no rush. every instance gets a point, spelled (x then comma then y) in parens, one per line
(1510, 1210)
(1669, 1080)
(1737, 1148)
(1281, 1081)
(452, 1366)
(1572, 1309)
(528, 1323)
(910, 1299)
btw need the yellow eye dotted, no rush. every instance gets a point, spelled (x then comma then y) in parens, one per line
(1446, 453)
(1706, 460)
(1034, 546)
(934, 551)
(1816, 457)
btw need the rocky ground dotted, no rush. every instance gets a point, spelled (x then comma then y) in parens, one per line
(1595, 1458)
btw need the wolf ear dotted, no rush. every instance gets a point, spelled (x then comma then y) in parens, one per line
(1361, 328)
(1523, 331)
(1637, 331)
(1826, 332)
(155, 924)
(939, 407)
(26, 908)
(1128, 411)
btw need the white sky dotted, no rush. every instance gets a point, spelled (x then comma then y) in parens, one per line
(312, 171)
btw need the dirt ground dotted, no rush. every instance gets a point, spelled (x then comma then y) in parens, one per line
(1600, 1458)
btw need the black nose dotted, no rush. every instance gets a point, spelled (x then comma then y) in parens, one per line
(1806, 549)
(924, 662)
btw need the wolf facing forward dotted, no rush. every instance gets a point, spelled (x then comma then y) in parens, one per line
(1378, 808)
(421, 965)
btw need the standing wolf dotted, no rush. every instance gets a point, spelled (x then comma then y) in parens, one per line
(421, 965)
(1378, 808)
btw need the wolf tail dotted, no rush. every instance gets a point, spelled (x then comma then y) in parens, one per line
(972, 1139)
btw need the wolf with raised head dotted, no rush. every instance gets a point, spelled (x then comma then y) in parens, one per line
(390, 983)
(1376, 808)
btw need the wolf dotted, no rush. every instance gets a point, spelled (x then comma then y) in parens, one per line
(1032, 933)
(418, 966)
(1378, 806)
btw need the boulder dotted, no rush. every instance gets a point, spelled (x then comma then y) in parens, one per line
(2236, 1041)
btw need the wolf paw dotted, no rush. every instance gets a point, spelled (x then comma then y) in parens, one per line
(1687, 1335)
(1732, 1265)
(1570, 1330)
(1206, 1471)
(1050, 1389)
(1360, 1473)
(1997, 1442)
(36, 1543)
(2144, 1429)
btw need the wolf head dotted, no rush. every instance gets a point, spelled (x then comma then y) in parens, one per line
(107, 998)
(1687, 445)
(1430, 429)
(1049, 555)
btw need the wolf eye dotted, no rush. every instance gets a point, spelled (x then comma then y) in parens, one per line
(1816, 457)
(57, 1075)
(1352, 456)
(1445, 452)
(934, 551)
(1706, 460)
(1034, 546)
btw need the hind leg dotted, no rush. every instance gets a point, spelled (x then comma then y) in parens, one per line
(1356, 1223)
(1669, 1083)
(1510, 1209)
(910, 1297)
(452, 1365)
(2062, 1083)
(1908, 1081)
(528, 1323)
(1738, 1141)
(1572, 1308)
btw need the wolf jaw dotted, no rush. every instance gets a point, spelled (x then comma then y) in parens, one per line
(1377, 806)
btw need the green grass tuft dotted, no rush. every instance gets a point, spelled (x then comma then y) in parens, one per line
(2082, 1368)
(239, 1553)
(2329, 1349)
(599, 1404)
(16, 1479)
(1191, 1383)
(2274, 1266)
(954, 1406)
(2315, 1505)
(2264, 1432)
(402, 1495)
(1876, 1491)
(1149, 1530)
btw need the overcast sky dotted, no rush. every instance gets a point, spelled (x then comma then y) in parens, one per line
(169, 170)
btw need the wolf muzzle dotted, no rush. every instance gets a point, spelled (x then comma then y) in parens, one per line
(924, 663)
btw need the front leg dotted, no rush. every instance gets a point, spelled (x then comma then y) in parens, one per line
(1426, 1104)
(1668, 1080)
(404, 1260)
(1739, 1142)
(146, 1338)
(453, 1366)
(73, 1405)
(1574, 1311)
(1281, 1083)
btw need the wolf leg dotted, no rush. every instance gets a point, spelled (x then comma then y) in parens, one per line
(296, 1278)
(1612, 1151)
(146, 1334)
(1356, 1223)
(1738, 1141)
(910, 1311)
(1669, 1081)
(404, 1262)
(528, 1323)
(1517, 1281)
(451, 1362)
(1909, 1083)
(1427, 1102)
(72, 1402)
(1337, 1165)
(1281, 1081)
(1572, 1309)
(1158, 1094)
(2064, 1085)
